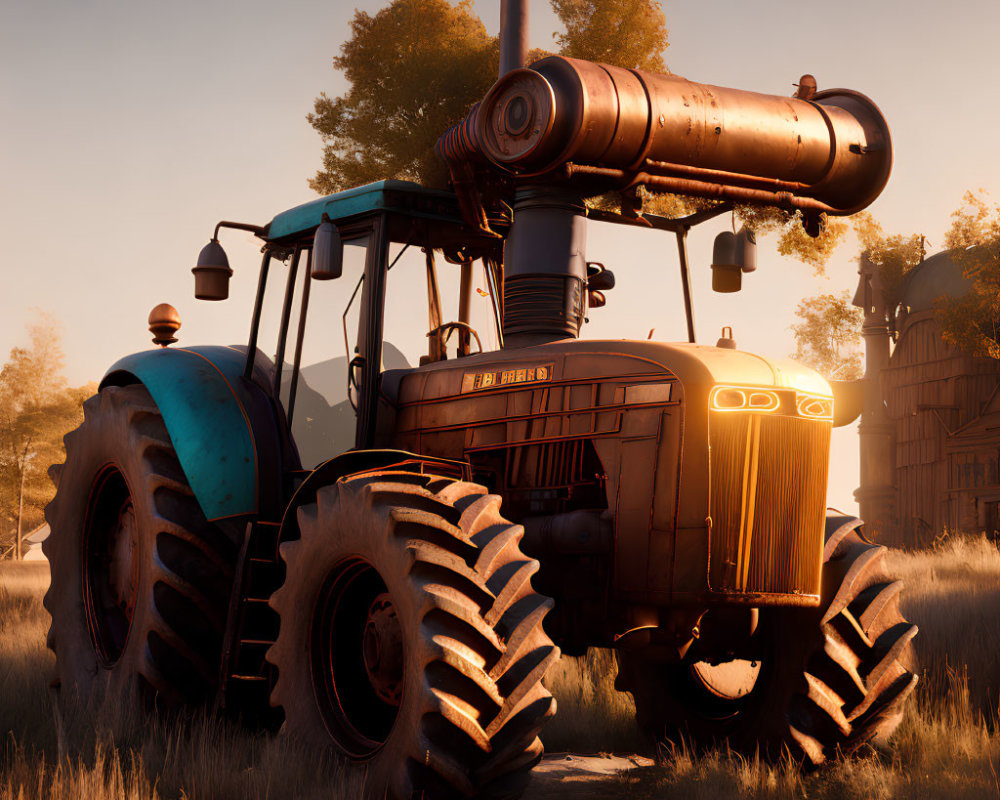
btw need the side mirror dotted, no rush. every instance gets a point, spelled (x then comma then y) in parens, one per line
(212, 273)
(328, 252)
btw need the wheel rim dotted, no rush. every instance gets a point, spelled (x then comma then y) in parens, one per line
(729, 681)
(111, 565)
(357, 658)
(718, 694)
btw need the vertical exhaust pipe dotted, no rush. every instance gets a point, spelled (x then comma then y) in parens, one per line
(513, 35)
(545, 263)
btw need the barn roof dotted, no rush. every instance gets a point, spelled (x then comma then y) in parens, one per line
(937, 276)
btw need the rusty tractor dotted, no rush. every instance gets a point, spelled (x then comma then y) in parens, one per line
(364, 548)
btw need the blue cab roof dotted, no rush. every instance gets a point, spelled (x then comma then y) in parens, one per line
(405, 197)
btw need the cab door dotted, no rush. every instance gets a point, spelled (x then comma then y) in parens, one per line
(328, 345)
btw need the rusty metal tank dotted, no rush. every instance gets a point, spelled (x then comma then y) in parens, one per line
(832, 152)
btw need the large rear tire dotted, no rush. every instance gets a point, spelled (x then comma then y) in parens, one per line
(140, 580)
(411, 639)
(829, 680)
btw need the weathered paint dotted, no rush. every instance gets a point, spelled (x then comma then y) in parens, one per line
(199, 392)
(404, 196)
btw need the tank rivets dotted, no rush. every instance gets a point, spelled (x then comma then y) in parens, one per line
(164, 322)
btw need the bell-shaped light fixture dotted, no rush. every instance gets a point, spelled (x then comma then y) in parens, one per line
(328, 252)
(726, 273)
(212, 274)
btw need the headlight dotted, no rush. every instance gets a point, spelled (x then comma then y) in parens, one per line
(743, 398)
(814, 407)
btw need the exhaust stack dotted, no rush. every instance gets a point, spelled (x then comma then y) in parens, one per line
(513, 35)
(565, 129)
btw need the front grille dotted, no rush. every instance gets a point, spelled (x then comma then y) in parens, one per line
(768, 496)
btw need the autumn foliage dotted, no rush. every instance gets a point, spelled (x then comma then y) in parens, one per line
(827, 337)
(417, 66)
(36, 411)
(972, 322)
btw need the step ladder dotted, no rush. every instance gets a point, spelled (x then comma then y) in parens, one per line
(252, 627)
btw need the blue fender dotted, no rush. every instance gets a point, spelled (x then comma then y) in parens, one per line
(203, 398)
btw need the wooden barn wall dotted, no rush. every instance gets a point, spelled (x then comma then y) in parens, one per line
(931, 390)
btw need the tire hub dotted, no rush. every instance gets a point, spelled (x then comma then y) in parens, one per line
(123, 571)
(730, 680)
(111, 565)
(358, 658)
(382, 650)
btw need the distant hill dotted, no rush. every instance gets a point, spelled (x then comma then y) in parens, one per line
(323, 421)
(329, 378)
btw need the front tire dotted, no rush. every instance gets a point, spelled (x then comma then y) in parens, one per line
(140, 580)
(411, 639)
(829, 679)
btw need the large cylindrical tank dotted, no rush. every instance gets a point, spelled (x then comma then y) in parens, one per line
(834, 148)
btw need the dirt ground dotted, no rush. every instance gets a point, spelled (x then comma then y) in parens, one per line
(562, 776)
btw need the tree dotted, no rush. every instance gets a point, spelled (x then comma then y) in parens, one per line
(417, 66)
(36, 410)
(972, 322)
(793, 241)
(414, 68)
(828, 336)
(625, 33)
(895, 256)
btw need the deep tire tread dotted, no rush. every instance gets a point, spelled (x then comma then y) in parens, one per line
(840, 674)
(864, 602)
(172, 512)
(484, 702)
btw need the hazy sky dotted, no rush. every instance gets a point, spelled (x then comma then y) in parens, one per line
(130, 128)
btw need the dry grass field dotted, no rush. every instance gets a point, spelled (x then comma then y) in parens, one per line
(947, 746)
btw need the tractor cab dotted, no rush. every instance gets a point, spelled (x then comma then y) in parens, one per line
(331, 268)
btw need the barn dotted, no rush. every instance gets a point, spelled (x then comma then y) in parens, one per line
(938, 427)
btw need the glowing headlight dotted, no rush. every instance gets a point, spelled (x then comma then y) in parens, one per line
(743, 398)
(814, 407)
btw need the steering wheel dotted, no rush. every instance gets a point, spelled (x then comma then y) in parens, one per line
(448, 328)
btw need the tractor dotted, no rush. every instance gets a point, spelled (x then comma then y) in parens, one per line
(386, 550)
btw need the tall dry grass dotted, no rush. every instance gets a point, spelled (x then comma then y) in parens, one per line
(584, 689)
(953, 593)
(114, 753)
(946, 747)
